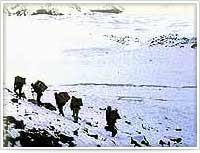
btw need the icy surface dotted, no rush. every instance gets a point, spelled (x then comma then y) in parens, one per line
(153, 87)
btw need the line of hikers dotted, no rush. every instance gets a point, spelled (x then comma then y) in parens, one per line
(61, 99)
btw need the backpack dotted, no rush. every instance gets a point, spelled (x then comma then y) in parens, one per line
(39, 86)
(80, 103)
(114, 115)
(64, 96)
(76, 102)
(20, 80)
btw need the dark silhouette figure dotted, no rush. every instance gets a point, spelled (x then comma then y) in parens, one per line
(39, 87)
(75, 106)
(61, 99)
(23, 96)
(18, 84)
(111, 118)
(108, 110)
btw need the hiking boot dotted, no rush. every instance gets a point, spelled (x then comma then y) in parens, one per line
(114, 132)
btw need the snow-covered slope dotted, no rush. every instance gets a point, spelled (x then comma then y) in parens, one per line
(153, 113)
(79, 44)
(142, 64)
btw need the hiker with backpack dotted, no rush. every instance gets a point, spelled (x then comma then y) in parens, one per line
(111, 118)
(75, 106)
(61, 99)
(39, 87)
(18, 84)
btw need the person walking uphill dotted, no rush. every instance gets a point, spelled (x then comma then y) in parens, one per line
(108, 110)
(39, 87)
(75, 107)
(18, 84)
(61, 99)
(111, 118)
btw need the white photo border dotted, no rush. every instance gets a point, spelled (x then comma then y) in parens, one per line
(103, 148)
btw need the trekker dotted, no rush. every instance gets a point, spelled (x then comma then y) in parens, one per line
(75, 107)
(111, 118)
(39, 87)
(61, 99)
(18, 84)
(108, 110)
